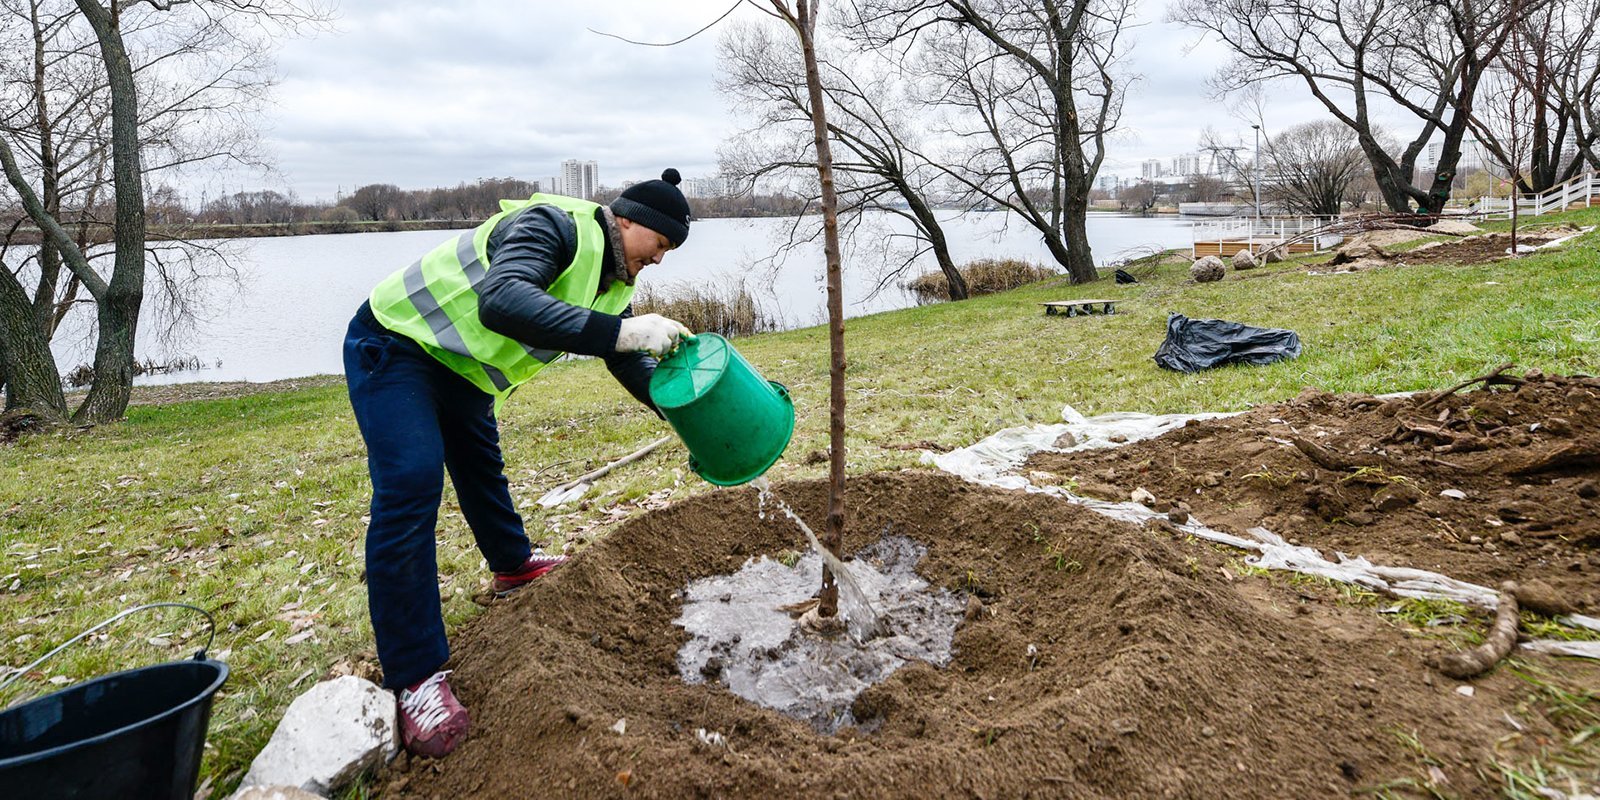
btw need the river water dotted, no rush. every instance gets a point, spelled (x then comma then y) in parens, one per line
(285, 317)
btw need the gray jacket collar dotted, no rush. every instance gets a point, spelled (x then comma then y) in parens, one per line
(619, 260)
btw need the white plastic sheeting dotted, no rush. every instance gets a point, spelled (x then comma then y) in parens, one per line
(994, 461)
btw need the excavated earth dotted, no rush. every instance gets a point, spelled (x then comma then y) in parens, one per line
(1484, 485)
(1097, 659)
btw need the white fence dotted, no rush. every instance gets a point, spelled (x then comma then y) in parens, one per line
(1263, 232)
(1582, 189)
(1267, 231)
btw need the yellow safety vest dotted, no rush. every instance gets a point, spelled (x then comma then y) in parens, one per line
(435, 300)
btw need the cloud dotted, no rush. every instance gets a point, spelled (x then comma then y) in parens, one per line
(424, 94)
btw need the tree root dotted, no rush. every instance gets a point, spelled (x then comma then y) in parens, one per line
(1332, 459)
(1491, 378)
(1497, 645)
(1574, 454)
(1406, 429)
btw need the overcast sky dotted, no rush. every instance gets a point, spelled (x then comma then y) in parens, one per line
(424, 94)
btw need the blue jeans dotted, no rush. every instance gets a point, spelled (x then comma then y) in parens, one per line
(418, 417)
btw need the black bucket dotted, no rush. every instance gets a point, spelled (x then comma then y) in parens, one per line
(134, 734)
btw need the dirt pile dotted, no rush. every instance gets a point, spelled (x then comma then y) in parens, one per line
(1488, 485)
(1097, 659)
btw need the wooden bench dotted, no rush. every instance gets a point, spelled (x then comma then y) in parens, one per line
(1073, 308)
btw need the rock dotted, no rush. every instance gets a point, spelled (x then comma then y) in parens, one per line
(1208, 269)
(1542, 598)
(1359, 518)
(1211, 479)
(1179, 514)
(1359, 253)
(330, 735)
(1099, 490)
(1587, 490)
(1244, 259)
(1272, 255)
(273, 793)
(1511, 538)
(1454, 226)
(1454, 494)
(1394, 497)
(1143, 497)
(1066, 441)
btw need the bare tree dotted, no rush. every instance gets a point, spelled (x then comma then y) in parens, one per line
(1140, 197)
(1205, 188)
(1031, 87)
(1551, 56)
(881, 170)
(801, 17)
(1573, 45)
(1312, 166)
(1420, 57)
(166, 80)
(1509, 120)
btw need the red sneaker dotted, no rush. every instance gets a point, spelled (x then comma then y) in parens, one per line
(536, 566)
(432, 720)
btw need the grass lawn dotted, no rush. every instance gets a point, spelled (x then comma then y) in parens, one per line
(253, 507)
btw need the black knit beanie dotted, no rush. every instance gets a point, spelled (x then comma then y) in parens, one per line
(657, 205)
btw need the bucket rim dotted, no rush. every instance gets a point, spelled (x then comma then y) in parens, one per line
(732, 354)
(203, 695)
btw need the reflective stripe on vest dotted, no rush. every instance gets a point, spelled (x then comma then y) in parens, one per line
(435, 300)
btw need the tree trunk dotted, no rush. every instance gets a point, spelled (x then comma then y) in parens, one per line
(26, 363)
(1075, 230)
(953, 278)
(834, 538)
(118, 312)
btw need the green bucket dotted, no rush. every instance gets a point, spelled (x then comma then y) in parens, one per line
(735, 423)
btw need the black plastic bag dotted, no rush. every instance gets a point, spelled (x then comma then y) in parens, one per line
(1123, 276)
(1196, 344)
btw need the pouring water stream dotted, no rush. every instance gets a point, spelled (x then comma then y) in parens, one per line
(858, 613)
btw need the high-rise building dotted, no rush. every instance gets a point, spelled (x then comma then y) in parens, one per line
(714, 186)
(1108, 183)
(1187, 164)
(552, 185)
(580, 178)
(1150, 169)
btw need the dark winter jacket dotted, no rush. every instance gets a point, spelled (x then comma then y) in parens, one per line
(527, 252)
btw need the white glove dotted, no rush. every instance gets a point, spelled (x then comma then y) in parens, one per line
(651, 333)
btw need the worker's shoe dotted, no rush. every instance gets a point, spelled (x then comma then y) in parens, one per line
(536, 566)
(432, 720)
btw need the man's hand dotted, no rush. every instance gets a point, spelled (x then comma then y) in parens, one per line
(651, 333)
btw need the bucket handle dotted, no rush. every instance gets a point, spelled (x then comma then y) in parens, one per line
(199, 656)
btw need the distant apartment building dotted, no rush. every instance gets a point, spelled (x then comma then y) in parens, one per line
(714, 186)
(580, 178)
(1151, 169)
(1108, 183)
(552, 185)
(1187, 164)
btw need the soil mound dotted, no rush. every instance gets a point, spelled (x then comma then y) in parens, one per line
(1097, 659)
(1488, 485)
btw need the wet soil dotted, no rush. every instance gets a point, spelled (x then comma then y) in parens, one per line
(1096, 659)
(1485, 485)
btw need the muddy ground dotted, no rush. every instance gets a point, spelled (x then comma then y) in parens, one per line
(1098, 659)
(1372, 249)
(1524, 458)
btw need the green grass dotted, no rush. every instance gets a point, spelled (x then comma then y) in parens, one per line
(252, 507)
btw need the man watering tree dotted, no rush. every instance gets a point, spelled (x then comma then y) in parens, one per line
(430, 357)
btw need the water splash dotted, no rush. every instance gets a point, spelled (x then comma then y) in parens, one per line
(738, 636)
(860, 617)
